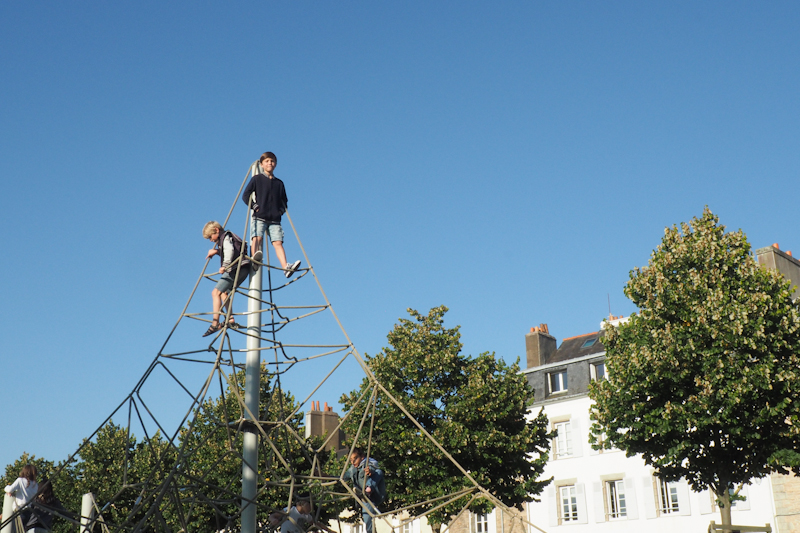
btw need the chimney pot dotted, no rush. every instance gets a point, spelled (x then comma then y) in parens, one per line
(775, 245)
(789, 253)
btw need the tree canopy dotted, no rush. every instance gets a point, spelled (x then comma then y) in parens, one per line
(129, 478)
(704, 381)
(476, 408)
(214, 472)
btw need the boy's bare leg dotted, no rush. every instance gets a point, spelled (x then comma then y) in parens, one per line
(278, 245)
(216, 300)
(223, 308)
(255, 245)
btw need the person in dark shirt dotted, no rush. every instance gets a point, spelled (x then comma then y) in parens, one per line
(268, 206)
(43, 508)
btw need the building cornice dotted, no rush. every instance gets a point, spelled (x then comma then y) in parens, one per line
(564, 363)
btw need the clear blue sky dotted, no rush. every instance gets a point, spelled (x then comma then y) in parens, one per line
(511, 160)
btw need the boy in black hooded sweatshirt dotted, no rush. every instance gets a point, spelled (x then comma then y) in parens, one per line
(268, 207)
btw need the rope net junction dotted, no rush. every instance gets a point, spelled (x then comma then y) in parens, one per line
(185, 473)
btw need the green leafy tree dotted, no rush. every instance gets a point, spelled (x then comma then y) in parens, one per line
(135, 481)
(213, 475)
(100, 468)
(477, 408)
(120, 472)
(704, 382)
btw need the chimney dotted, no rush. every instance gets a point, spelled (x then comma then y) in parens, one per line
(613, 321)
(773, 258)
(324, 423)
(539, 346)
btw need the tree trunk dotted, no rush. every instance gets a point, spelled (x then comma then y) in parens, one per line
(436, 528)
(724, 501)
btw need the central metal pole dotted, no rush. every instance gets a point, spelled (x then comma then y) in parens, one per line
(252, 387)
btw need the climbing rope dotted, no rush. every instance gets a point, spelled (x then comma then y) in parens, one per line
(172, 487)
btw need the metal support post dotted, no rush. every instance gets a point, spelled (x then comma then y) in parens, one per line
(8, 510)
(87, 513)
(252, 386)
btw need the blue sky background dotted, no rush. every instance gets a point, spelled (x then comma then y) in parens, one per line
(511, 160)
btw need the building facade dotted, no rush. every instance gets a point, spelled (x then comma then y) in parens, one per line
(608, 491)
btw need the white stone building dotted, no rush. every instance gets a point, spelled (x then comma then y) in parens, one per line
(607, 491)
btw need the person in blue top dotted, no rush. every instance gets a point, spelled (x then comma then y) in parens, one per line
(268, 207)
(369, 485)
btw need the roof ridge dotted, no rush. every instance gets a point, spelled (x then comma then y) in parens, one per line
(578, 336)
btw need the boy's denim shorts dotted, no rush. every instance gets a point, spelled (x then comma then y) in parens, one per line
(257, 227)
(225, 283)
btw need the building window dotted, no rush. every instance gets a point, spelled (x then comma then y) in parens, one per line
(557, 381)
(731, 492)
(588, 343)
(357, 528)
(568, 504)
(615, 499)
(598, 371)
(480, 523)
(563, 441)
(406, 528)
(602, 442)
(667, 497)
(740, 505)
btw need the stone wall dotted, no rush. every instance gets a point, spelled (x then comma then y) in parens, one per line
(786, 491)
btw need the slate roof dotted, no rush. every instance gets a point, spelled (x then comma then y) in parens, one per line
(580, 346)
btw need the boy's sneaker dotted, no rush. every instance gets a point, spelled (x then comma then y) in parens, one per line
(256, 257)
(291, 269)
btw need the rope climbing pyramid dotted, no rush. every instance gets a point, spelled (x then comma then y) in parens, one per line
(212, 436)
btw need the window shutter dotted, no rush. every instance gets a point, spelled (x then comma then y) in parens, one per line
(599, 502)
(592, 451)
(578, 438)
(683, 498)
(631, 507)
(649, 496)
(705, 502)
(581, 497)
(743, 505)
(553, 506)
